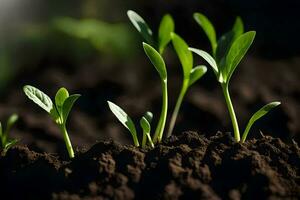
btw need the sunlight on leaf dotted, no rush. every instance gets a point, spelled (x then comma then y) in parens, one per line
(156, 60)
(38, 97)
(140, 24)
(196, 73)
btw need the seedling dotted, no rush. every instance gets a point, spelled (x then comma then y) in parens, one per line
(7, 143)
(160, 66)
(129, 124)
(190, 74)
(165, 35)
(59, 111)
(226, 55)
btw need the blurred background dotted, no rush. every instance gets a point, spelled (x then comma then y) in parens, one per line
(91, 48)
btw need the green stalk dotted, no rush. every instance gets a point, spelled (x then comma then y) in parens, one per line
(177, 106)
(144, 140)
(67, 140)
(231, 112)
(163, 116)
(245, 134)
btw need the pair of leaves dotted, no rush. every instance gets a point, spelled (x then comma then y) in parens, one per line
(63, 102)
(128, 123)
(228, 51)
(165, 28)
(186, 59)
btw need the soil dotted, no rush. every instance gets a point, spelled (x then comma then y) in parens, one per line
(187, 166)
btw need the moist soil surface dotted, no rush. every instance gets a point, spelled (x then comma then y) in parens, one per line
(186, 166)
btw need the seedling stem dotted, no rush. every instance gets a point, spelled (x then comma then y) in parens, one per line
(163, 116)
(183, 90)
(235, 124)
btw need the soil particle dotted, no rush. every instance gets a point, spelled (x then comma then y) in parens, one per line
(186, 166)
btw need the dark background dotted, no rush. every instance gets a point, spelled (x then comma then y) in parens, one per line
(91, 48)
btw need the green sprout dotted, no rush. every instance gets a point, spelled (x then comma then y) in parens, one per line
(190, 74)
(59, 111)
(7, 143)
(160, 66)
(227, 53)
(165, 35)
(128, 123)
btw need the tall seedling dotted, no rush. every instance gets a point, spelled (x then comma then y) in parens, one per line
(227, 53)
(165, 35)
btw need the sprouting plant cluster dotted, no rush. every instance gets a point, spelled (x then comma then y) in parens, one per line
(226, 53)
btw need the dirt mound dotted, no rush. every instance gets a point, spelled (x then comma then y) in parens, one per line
(187, 166)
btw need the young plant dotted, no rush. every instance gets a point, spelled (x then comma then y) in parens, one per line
(227, 53)
(128, 123)
(159, 64)
(145, 121)
(166, 27)
(59, 111)
(7, 143)
(165, 35)
(190, 74)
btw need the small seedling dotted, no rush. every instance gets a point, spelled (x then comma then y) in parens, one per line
(59, 111)
(227, 53)
(190, 74)
(165, 35)
(160, 66)
(7, 143)
(129, 124)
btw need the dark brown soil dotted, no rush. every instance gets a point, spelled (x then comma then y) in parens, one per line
(188, 166)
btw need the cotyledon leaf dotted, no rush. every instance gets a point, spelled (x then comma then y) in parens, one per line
(260, 113)
(208, 28)
(156, 60)
(184, 54)
(166, 27)
(38, 97)
(140, 24)
(196, 73)
(67, 106)
(124, 119)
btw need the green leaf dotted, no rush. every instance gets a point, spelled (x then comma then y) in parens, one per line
(38, 97)
(10, 122)
(237, 51)
(184, 54)
(196, 73)
(260, 113)
(124, 119)
(238, 27)
(67, 106)
(60, 97)
(164, 32)
(208, 58)
(140, 24)
(156, 60)
(145, 125)
(225, 42)
(208, 28)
